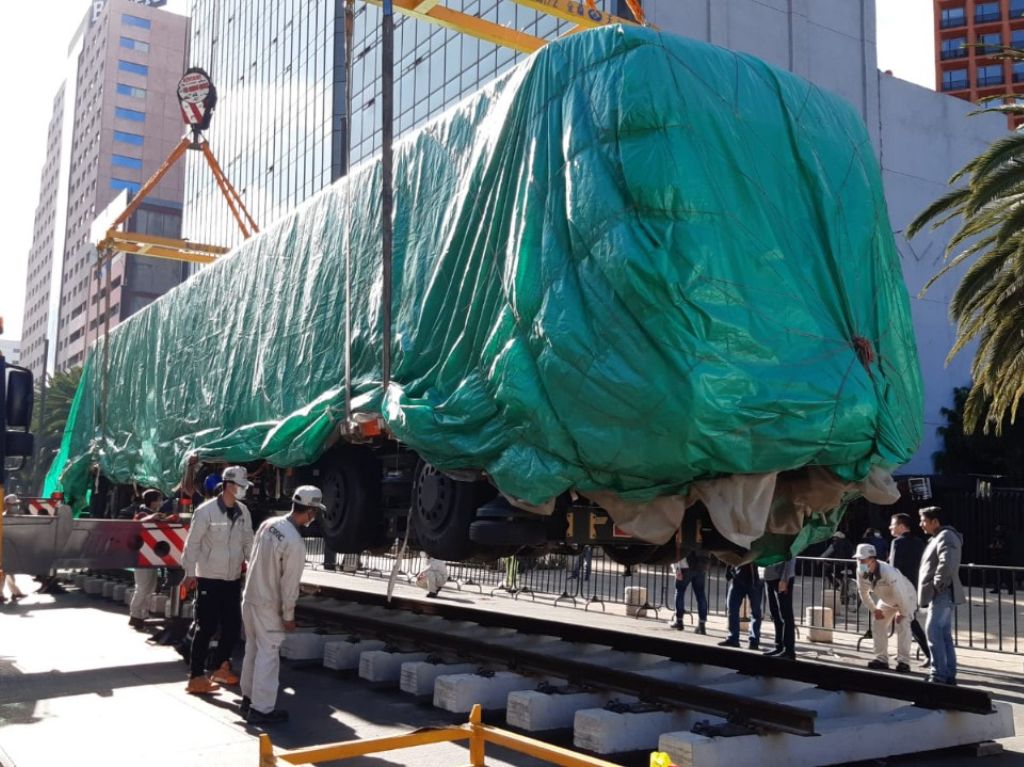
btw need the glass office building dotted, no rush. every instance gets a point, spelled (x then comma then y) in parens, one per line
(279, 129)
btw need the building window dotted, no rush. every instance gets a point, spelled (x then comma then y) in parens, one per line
(991, 74)
(953, 17)
(126, 162)
(952, 48)
(133, 138)
(131, 90)
(1018, 71)
(991, 42)
(131, 66)
(984, 12)
(954, 79)
(135, 21)
(134, 45)
(129, 114)
(1016, 9)
(1017, 38)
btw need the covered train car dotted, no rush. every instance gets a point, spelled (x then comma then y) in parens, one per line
(638, 280)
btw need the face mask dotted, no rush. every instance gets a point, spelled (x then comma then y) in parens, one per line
(240, 492)
(862, 568)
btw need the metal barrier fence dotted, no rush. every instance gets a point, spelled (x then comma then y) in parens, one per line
(990, 619)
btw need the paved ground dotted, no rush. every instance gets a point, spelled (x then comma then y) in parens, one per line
(77, 686)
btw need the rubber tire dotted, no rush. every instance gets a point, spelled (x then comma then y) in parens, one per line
(492, 533)
(350, 482)
(442, 511)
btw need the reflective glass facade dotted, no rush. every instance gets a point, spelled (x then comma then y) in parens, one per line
(279, 67)
(277, 130)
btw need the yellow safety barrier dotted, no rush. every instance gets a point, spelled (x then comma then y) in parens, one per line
(474, 731)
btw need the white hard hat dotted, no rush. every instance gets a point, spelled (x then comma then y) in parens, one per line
(11, 499)
(236, 474)
(865, 551)
(308, 495)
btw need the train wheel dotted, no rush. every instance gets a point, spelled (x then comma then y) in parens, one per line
(353, 520)
(442, 511)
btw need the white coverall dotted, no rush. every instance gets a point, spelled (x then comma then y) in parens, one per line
(271, 588)
(892, 593)
(145, 587)
(434, 577)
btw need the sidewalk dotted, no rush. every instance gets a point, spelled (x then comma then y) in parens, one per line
(79, 687)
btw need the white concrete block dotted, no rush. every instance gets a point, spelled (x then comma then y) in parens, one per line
(157, 603)
(343, 654)
(820, 623)
(108, 589)
(459, 692)
(536, 711)
(380, 666)
(608, 732)
(844, 739)
(635, 598)
(94, 586)
(119, 591)
(418, 678)
(303, 645)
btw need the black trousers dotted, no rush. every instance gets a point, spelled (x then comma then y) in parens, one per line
(781, 605)
(218, 606)
(920, 637)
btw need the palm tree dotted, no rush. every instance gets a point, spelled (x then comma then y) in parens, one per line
(988, 304)
(56, 392)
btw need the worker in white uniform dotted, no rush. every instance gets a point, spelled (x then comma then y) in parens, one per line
(145, 577)
(12, 506)
(890, 596)
(268, 603)
(434, 577)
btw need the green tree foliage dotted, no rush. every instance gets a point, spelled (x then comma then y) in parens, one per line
(988, 305)
(977, 452)
(53, 397)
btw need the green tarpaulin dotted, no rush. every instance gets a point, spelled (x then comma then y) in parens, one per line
(631, 262)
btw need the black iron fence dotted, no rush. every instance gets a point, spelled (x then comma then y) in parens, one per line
(990, 619)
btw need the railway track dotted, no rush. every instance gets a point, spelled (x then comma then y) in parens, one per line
(626, 691)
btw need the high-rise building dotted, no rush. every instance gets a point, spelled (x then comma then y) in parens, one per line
(115, 120)
(11, 349)
(919, 137)
(968, 36)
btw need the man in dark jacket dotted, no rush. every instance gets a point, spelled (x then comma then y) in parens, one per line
(744, 583)
(905, 555)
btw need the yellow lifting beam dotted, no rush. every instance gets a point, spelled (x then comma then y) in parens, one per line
(477, 733)
(581, 12)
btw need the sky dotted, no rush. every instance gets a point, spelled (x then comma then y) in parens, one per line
(36, 47)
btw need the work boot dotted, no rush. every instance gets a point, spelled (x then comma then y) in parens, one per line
(754, 644)
(676, 623)
(729, 643)
(224, 675)
(773, 653)
(270, 717)
(902, 668)
(878, 665)
(700, 629)
(244, 706)
(136, 623)
(200, 685)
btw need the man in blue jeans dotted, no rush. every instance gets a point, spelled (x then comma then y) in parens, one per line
(939, 590)
(744, 583)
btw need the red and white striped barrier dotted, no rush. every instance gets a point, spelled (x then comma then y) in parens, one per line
(162, 544)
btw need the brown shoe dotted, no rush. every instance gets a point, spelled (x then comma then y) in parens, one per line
(224, 675)
(200, 685)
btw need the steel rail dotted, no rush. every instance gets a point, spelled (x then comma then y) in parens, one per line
(824, 675)
(737, 709)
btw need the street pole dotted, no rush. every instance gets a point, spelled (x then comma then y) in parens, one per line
(387, 126)
(42, 401)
